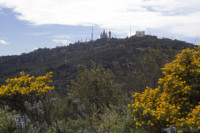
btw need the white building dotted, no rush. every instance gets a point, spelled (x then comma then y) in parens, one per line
(140, 33)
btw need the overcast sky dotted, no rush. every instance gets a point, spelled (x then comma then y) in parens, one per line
(26, 25)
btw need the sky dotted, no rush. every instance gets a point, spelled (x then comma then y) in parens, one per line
(26, 25)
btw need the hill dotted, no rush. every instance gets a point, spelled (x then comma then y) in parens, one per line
(135, 61)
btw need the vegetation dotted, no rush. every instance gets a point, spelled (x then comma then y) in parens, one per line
(87, 110)
(6, 123)
(95, 88)
(24, 88)
(98, 96)
(176, 100)
(136, 62)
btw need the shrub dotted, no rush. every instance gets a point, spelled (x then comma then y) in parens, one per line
(6, 123)
(112, 119)
(95, 89)
(24, 88)
(176, 100)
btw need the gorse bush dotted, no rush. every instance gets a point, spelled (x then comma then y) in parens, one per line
(193, 118)
(25, 88)
(26, 85)
(150, 109)
(176, 100)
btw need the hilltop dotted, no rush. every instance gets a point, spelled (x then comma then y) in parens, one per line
(136, 61)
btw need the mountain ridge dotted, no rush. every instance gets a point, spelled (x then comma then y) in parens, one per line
(64, 61)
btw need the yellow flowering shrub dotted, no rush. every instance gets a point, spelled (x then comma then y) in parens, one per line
(193, 119)
(151, 109)
(181, 79)
(25, 87)
(176, 100)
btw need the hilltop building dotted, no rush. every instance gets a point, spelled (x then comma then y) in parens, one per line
(105, 35)
(140, 33)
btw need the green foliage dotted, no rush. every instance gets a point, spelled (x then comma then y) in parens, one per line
(128, 125)
(24, 125)
(135, 76)
(61, 108)
(56, 113)
(6, 122)
(95, 89)
(112, 119)
(153, 61)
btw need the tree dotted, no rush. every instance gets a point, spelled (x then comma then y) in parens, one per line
(95, 88)
(153, 61)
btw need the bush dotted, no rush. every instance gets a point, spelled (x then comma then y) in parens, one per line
(24, 88)
(95, 89)
(55, 114)
(6, 120)
(176, 100)
(112, 119)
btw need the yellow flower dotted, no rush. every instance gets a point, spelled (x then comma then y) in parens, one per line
(25, 85)
(180, 131)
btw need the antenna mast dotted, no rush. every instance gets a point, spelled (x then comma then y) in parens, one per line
(92, 34)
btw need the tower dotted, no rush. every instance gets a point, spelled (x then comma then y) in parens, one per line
(109, 34)
(92, 34)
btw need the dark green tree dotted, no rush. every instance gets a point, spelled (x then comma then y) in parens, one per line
(95, 89)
